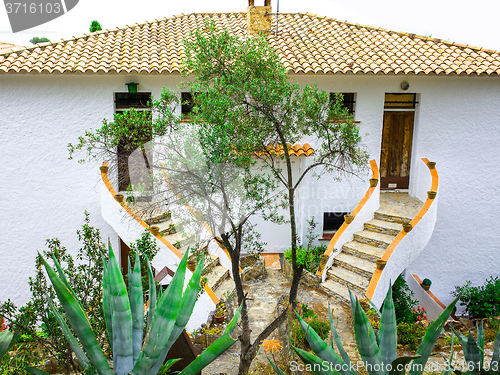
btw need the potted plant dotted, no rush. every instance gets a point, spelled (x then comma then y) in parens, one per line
(431, 164)
(104, 168)
(431, 194)
(221, 312)
(154, 230)
(380, 264)
(407, 227)
(426, 284)
(119, 197)
(373, 182)
(348, 218)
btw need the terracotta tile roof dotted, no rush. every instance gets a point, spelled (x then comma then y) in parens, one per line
(306, 43)
(7, 47)
(296, 150)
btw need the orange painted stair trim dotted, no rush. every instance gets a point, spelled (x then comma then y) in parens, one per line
(402, 234)
(105, 179)
(343, 227)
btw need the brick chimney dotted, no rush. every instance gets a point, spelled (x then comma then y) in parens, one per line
(258, 18)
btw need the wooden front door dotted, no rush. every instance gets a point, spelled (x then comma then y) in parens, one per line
(395, 157)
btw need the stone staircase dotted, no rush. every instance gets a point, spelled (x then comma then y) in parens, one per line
(354, 266)
(213, 271)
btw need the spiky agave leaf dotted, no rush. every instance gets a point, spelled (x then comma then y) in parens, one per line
(186, 309)
(367, 342)
(218, 347)
(162, 323)
(136, 307)
(275, 368)
(322, 349)
(75, 346)
(429, 340)
(496, 352)
(338, 342)
(388, 331)
(473, 359)
(79, 322)
(152, 294)
(121, 318)
(107, 304)
(480, 341)
(398, 365)
(450, 359)
(317, 365)
(6, 341)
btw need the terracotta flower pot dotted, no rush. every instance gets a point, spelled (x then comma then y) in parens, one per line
(431, 164)
(426, 287)
(104, 168)
(407, 227)
(373, 182)
(119, 197)
(154, 230)
(348, 218)
(220, 318)
(380, 264)
(191, 265)
(431, 194)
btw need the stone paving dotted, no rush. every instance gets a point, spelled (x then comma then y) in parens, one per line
(262, 307)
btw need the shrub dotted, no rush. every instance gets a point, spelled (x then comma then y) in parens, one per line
(404, 304)
(37, 324)
(480, 301)
(36, 40)
(309, 258)
(95, 26)
(410, 334)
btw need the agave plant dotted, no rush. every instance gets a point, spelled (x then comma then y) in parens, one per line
(474, 352)
(7, 340)
(124, 315)
(378, 351)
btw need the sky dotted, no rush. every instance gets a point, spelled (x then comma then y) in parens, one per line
(474, 23)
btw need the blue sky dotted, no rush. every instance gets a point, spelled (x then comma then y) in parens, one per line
(475, 25)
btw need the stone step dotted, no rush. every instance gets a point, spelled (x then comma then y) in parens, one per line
(373, 238)
(357, 265)
(166, 227)
(338, 292)
(348, 278)
(381, 215)
(384, 227)
(176, 239)
(216, 276)
(363, 250)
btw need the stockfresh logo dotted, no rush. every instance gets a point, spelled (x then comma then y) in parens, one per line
(24, 15)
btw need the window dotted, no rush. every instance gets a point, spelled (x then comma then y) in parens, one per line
(332, 221)
(349, 101)
(132, 164)
(125, 100)
(187, 104)
(400, 101)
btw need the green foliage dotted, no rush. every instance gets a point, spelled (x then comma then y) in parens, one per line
(36, 40)
(95, 26)
(146, 247)
(309, 258)
(426, 282)
(473, 350)
(36, 322)
(404, 303)
(306, 313)
(124, 319)
(377, 351)
(480, 301)
(23, 354)
(410, 334)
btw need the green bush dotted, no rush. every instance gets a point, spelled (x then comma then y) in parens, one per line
(404, 304)
(309, 258)
(480, 301)
(95, 26)
(35, 322)
(410, 334)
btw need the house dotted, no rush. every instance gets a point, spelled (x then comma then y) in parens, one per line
(413, 97)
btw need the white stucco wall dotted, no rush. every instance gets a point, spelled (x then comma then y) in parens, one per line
(45, 194)
(457, 125)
